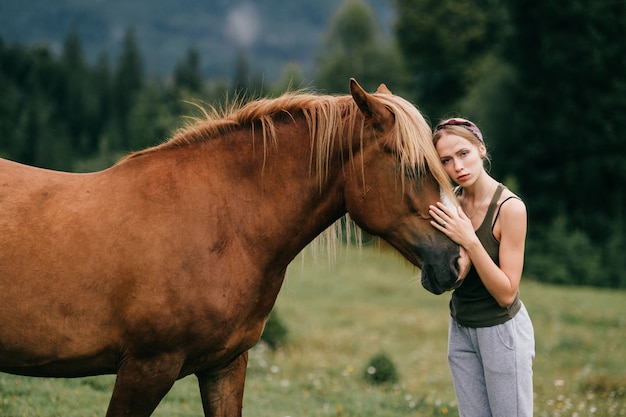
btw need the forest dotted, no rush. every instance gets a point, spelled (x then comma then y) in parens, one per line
(545, 81)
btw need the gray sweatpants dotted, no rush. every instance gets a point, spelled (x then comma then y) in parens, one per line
(492, 367)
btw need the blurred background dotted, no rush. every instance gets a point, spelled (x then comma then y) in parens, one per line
(84, 82)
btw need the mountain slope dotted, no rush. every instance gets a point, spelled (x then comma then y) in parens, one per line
(271, 33)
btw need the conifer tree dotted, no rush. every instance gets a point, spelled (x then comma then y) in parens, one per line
(127, 83)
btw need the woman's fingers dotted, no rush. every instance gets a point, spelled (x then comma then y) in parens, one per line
(436, 214)
(441, 218)
(442, 212)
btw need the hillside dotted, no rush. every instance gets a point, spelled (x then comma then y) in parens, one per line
(271, 32)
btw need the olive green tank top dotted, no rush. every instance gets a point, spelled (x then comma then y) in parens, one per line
(471, 304)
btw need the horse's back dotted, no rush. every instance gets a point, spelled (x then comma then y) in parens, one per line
(34, 200)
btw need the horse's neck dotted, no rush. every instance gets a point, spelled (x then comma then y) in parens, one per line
(268, 190)
(290, 192)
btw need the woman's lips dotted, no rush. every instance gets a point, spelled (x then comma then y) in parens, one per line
(462, 178)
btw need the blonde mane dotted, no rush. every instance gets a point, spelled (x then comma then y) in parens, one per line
(328, 118)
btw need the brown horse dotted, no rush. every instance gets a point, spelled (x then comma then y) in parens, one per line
(168, 263)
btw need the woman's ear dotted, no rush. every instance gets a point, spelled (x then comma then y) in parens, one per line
(482, 151)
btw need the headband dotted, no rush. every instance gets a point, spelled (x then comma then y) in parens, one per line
(457, 121)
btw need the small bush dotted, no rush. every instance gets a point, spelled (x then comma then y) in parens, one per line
(275, 332)
(564, 255)
(380, 370)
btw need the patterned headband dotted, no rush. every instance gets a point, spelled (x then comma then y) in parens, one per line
(457, 121)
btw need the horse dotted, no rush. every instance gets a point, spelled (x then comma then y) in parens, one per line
(168, 263)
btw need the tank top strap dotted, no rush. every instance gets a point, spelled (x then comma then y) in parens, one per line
(495, 219)
(492, 207)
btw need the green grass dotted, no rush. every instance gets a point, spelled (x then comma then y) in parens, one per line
(368, 303)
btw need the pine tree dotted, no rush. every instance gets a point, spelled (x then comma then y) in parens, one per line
(128, 82)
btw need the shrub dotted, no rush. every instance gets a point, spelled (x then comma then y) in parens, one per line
(565, 255)
(380, 370)
(275, 332)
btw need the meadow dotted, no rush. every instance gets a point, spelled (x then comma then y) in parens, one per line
(369, 302)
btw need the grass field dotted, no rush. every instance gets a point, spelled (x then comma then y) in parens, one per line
(367, 303)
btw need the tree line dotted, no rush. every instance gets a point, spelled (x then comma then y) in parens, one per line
(545, 81)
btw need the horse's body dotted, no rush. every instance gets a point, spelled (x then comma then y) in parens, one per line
(168, 263)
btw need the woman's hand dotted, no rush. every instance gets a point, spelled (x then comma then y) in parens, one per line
(453, 223)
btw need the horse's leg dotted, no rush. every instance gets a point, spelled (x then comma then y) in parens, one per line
(222, 392)
(140, 385)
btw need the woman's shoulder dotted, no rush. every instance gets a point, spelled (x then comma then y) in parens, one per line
(510, 216)
(511, 204)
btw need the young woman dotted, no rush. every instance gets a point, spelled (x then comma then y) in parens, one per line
(491, 339)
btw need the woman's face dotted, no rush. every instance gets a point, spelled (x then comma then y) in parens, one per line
(462, 160)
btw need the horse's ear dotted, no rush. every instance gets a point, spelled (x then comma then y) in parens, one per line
(382, 89)
(374, 111)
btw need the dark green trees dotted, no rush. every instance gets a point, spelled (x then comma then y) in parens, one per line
(546, 81)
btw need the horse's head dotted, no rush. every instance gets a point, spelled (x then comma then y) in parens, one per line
(393, 181)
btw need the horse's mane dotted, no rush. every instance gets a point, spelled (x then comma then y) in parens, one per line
(326, 116)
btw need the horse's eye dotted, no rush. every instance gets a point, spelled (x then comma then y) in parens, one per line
(411, 173)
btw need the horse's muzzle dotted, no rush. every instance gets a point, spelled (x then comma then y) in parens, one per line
(455, 272)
